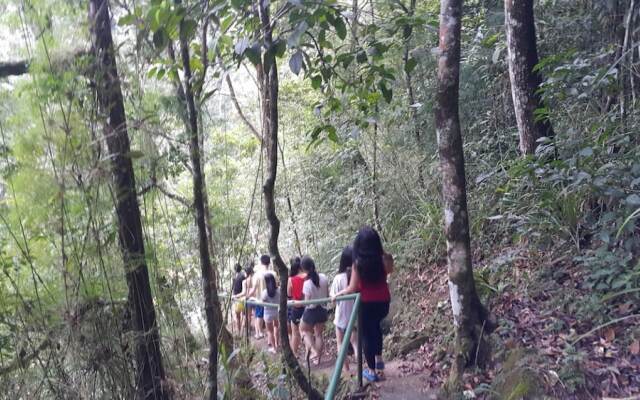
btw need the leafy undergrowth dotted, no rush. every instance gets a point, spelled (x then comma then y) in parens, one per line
(555, 336)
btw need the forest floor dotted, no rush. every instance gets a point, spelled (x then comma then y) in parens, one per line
(398, 385)
(551, 340)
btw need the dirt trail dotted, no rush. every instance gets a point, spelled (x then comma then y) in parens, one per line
(397, 385)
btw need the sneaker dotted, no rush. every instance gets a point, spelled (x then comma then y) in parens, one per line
(380, 370)
(369, 375)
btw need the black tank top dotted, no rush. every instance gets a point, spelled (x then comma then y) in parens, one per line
(237, 283)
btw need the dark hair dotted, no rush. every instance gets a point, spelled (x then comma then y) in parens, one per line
(367, 253)
(346, 261)
(295, 266)
(270, 283)
(309, 267)
(238, 268)
(248, 270)
(265, 259)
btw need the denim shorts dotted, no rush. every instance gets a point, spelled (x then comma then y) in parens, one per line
(259, 312)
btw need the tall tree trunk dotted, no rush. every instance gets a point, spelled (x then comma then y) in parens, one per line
(213, 313)
(268, 76)
(523, 57)
(469, 315)
(150, 372)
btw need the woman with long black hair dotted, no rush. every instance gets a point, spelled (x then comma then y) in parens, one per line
(344, 309)
(369, 277)
(316, 286)
(271, 295)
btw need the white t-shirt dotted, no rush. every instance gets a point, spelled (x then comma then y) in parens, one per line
(311, 292)
(343, 308)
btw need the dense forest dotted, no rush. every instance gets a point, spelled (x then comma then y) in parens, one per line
(149, 146)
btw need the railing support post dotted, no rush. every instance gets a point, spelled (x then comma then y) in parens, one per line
(359, 350)
(246, 321)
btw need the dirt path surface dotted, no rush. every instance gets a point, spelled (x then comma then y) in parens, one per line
(398, 385)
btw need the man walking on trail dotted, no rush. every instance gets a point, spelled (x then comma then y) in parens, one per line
(258, 286)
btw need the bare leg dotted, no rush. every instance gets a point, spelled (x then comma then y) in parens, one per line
(319, 340)
(270, 334)
(307, 335)
(276, 340)
(295, 337)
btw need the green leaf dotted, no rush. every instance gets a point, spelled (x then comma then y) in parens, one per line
(188, 28)
(295, 62)
(386, 92)
(128, 19)
(160, 39)
(253, 54)
(196, 64)
(152, 72)
(410, 65)
(316, 81)
(345, 59)
(280, 46)
(341, 29)
(332, 134)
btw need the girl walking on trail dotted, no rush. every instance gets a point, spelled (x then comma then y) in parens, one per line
(344, 308)
(294, 292)
(271, 295)
(237, 291)
(314, 317)
(244, 294)
(369, 277)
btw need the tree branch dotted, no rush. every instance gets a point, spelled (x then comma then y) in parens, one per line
(243, 117)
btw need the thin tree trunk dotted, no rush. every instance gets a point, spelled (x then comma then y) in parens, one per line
(469, 314)
(150, 372)
(407, 32)
(523, 57)
(213, 314)
(268, 76)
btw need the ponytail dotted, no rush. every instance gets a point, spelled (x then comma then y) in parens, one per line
(309, 267)
(270, 283)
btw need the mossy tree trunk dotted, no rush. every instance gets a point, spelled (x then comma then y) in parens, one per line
(469, 315)
(150, 374)
(525, 81)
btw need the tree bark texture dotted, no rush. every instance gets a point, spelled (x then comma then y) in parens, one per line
(213, 314)
(522, 58)
(468, 313)
(268, 79)
(150, 373)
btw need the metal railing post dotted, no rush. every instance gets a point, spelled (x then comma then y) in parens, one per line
(359, 350)
(246, 321)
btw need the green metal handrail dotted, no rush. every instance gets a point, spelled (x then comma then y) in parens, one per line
(346, 342)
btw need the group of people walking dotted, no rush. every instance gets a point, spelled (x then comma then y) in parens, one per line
(363, 268)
